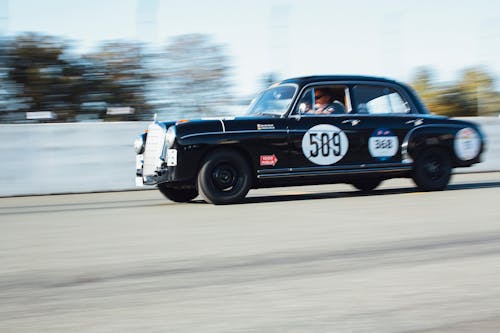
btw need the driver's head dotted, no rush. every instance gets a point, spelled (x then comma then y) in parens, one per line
(322, 96)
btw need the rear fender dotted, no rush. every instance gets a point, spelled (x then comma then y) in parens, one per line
(441, 136)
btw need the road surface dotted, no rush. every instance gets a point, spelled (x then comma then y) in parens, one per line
(298, 259)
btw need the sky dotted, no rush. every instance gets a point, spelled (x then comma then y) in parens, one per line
(387, 38)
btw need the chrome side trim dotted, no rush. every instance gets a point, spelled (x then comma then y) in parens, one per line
(410, 132)
(332, 172)
(334, 168)
(234, 132)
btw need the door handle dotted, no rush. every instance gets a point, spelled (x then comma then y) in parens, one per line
(353, 122)
(415, 122)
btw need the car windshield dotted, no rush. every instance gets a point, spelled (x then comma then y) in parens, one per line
(274, 101)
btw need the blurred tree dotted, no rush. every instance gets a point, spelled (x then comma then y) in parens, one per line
(6, 93)
(431, 94)
(195, 75)
(423, 82)
(472, 95)
(116, 76)
(476, 92)
(40, 76)
(192, 77)
(267, 79)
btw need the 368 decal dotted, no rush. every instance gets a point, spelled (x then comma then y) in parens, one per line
(383, 144)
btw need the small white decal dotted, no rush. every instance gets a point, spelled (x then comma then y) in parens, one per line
(265, 126)
(325, 144)
(139, 161)
(467, 144)
(171, 157)
(383, 144)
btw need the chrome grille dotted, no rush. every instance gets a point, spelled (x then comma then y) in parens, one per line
(155, 141)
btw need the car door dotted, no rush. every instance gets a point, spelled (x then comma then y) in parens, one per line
(324, 142)
(266, 140)
(387, 115)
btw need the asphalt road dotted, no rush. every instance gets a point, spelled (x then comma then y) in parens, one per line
(310, 259)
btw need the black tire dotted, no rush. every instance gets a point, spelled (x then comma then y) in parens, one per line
(432, 169)
(178, 194)
(366, 184)
(224, 177)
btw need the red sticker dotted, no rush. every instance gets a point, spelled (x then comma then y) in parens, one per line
(268, 160)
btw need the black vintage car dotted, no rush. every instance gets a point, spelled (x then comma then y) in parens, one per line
(309, 130)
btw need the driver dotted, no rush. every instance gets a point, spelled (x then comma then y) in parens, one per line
(325, 104)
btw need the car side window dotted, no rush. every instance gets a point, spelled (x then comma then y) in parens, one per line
(323, 100)
(377, 99)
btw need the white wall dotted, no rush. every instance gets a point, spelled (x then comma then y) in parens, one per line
(86, 157)
(67, 158)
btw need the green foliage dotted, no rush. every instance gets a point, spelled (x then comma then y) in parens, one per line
(39, 73)
(118, 81)
(473, 94)
(39, 77)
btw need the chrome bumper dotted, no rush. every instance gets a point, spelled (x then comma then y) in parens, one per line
(160, 171)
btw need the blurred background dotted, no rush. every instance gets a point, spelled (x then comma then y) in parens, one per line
(80, 79)
(115, 60)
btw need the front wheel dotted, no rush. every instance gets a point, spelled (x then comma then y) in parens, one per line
(224, 177)
(178, 194)
(432, 170)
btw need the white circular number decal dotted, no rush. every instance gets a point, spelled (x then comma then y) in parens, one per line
(467, 144)
(383, 144)
(325, 144)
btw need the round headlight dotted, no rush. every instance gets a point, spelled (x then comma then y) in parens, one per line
(170, 137)
(139, 143)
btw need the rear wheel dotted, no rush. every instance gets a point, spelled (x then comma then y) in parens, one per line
(224, 177)
(432, 170)
(366, 184)
(178, 194)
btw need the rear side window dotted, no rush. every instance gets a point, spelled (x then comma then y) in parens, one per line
(373, 99)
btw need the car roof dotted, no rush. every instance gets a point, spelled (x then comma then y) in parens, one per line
(303, 80)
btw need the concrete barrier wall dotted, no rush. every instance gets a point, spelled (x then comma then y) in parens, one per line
(67, 158)
(86, 157)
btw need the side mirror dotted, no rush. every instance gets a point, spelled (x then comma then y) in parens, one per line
(303, 108)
